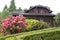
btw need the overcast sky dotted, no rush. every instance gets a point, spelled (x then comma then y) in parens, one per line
(53, 4)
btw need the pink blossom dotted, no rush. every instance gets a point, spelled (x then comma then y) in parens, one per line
(13, 22)
(14, 18)
(11, 28)
(20, 22)
(4, 20)
(17, 16)
(7, 25)
(2, 31)
(7, 22)
(22, 19)
(3, 25)
(10, 16)
(24, 25)
(18, 28)
(10, 24)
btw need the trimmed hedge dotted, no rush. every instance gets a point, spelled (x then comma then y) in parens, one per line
(45, 34)
(36, 25)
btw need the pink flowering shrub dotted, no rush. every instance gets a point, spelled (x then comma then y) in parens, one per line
(14, 24)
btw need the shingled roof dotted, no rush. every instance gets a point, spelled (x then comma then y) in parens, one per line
(32, 14)
(39, 6)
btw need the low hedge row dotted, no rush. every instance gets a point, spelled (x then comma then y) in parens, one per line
(45, 34)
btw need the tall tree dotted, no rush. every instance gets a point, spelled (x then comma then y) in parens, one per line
(19, 9)
(12, 6)
(5, 7)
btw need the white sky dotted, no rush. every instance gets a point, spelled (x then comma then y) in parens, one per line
(53, 4)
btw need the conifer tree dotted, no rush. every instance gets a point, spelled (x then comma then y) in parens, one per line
(12, 6)
(5, 7)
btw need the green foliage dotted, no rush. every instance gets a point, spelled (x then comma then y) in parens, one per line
(45, 34)
(35, 24)
(5, 13)
(12, 6)
(57, 18)
(30, 23)
(0, 15)
(5, 7)
(19, 9)
(1, 34)
(40, 25)
(11, 38)
(25, 9)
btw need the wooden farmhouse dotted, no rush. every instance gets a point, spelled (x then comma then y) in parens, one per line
(38, 12)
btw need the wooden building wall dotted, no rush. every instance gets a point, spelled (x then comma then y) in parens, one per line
(39, 10)
(47, 19)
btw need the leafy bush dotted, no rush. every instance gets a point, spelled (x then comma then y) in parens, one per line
(45, 34)
(40, 25)
(5, 13)
(19, 24)
(48, 34)
(14, 24)
(30, 23)
(35, 24)
(57, 19)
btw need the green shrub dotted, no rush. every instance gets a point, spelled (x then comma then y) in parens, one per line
(35, 24)
(45, 34)
(31, 22)
(40, 25)
(52, 34)
(57, 18)
(11, 38)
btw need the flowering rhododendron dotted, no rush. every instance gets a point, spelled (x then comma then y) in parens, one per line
(18, 28)
(13, 24)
